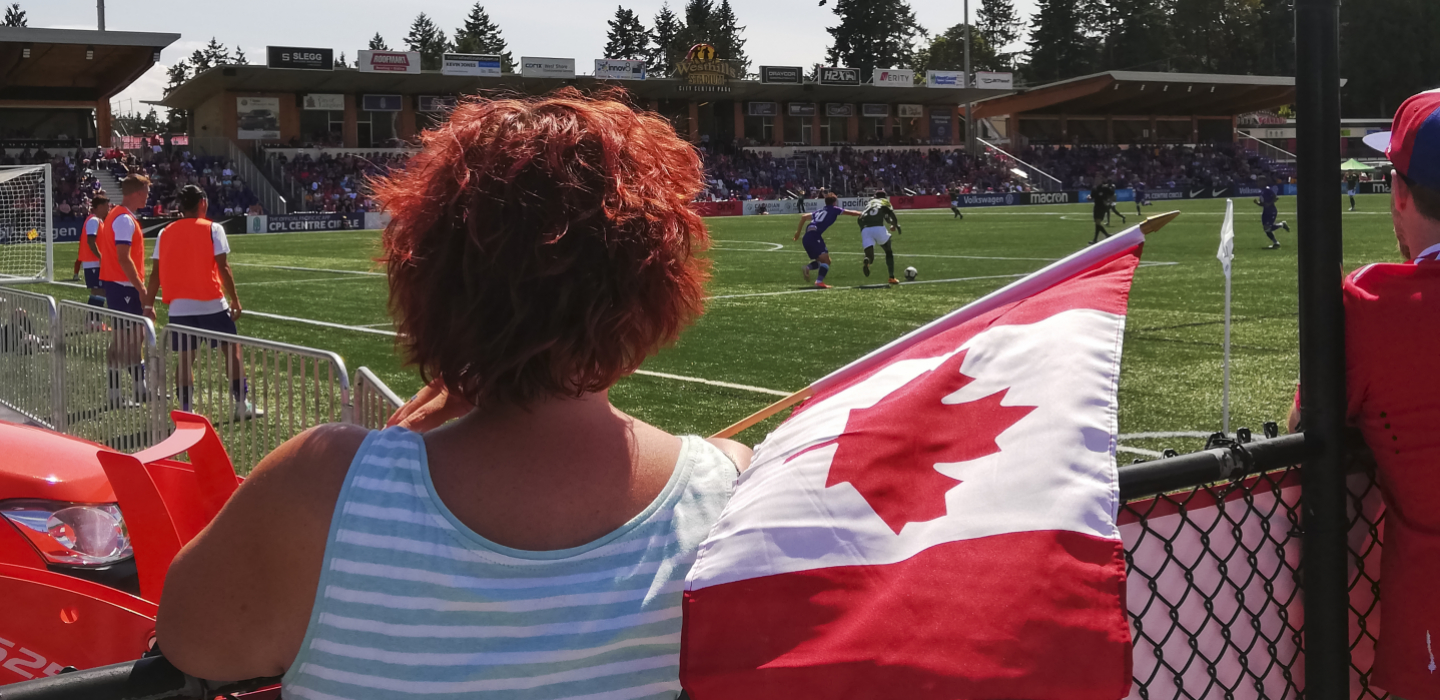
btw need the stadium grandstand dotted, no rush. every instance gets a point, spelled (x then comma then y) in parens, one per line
(55, 90)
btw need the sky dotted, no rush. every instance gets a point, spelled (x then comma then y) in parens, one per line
(778, 32)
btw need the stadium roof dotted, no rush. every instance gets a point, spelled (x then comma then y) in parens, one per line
(74, 64)
(1135, 94)
(262, 79)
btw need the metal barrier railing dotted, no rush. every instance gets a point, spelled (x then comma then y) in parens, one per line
(374, 401)
(1037, 177)
(105, 369)
(27, 364)
(257, 393)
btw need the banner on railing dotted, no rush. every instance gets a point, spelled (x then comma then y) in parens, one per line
(285, 223)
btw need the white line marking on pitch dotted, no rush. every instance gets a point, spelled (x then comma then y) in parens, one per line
(865, 286)
(647, 373)
(775, 246)
(312, 279)
(311, 269)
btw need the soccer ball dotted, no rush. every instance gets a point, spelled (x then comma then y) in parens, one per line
(911, 273)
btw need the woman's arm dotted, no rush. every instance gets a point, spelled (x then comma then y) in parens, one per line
(237, 599)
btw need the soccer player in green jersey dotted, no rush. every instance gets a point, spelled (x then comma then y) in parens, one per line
(875, 221)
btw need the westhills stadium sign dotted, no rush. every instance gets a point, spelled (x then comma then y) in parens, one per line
(703, 71)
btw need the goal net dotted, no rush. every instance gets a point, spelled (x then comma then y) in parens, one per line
(26, 235)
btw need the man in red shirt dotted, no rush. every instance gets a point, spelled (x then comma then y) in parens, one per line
(1392, 337)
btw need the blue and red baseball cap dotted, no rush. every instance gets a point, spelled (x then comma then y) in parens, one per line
(1413, 142)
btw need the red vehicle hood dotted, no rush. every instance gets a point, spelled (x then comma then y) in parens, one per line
(38, 463)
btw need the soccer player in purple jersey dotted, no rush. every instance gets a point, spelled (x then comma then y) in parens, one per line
(814, 241)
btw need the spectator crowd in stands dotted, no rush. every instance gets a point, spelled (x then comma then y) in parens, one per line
(850, 172)
(74, 182)
(337, 183)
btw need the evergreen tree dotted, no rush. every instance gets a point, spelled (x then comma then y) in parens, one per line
(699, 26)
(428, 39)
(999, 26)
(15, 17)
(947, 52)
(1141, 39)
(200, 61)
(151, 122)
(340, 62)
(240, 58)
(480, 35)
(874, 34)
(665, 42)
(1378, 82)
(175, 76)
(627, 37)
(726, 37)
(216, 53)
(377, 43)
(1058, 46)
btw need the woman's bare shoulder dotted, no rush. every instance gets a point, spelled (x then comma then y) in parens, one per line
(252, 573)
(737, 452)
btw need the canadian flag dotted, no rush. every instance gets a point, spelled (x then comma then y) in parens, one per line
(939, 519)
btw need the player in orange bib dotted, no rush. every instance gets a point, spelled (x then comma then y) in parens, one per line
(192, 267)
(87, 258)
(120, 245)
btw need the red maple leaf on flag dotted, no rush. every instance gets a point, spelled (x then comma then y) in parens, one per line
(888, 451)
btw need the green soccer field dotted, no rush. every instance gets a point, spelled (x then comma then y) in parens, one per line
(765, 329)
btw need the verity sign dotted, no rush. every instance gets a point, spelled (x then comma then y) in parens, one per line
(894, 77)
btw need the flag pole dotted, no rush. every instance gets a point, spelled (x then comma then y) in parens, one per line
(1020, 289)
(1225, 392)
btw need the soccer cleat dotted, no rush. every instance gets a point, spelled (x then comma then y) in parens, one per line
(821, 285)
(805, 272)
(1285, 226)
(244, 410)
(894, 281)
(865, 267)
(1272, 246)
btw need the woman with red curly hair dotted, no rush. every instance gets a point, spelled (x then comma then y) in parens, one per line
(537, 544)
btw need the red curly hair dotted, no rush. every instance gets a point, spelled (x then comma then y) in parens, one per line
(543, 246)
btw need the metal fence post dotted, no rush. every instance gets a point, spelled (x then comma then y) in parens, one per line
(1322, 350)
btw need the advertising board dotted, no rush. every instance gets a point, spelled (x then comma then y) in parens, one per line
(893, 77)
(619, 69)
(280, 223)
(299, 58)
(470, 64)
(834, 75)
(945, 78)
(389, 61)
(801, 109)
(782, 74)
(382, 103)
(875, 110)
(323, 101)
(994, 81)
(910, 111)
(435, 103)
(258, 118)
(541, 67)
(763, 109)
(839, 109)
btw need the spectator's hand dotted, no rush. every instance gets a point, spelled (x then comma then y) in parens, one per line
(149, 312)
(430, 409)
(235, 312)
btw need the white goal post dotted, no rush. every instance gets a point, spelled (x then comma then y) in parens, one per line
(27, 232)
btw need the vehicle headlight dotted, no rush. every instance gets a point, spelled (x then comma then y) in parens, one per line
(73, 534)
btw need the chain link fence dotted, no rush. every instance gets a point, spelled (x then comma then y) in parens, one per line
(1214, 588)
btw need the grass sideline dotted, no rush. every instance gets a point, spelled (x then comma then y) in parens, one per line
(765, 329)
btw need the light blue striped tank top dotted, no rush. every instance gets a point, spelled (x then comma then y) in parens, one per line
(413, 603)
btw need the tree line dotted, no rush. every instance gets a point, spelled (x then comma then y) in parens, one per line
(1062, 39)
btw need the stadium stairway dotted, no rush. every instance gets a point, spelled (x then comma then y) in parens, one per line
(109, 184)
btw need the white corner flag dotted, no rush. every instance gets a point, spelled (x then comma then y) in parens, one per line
(1226, 254)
